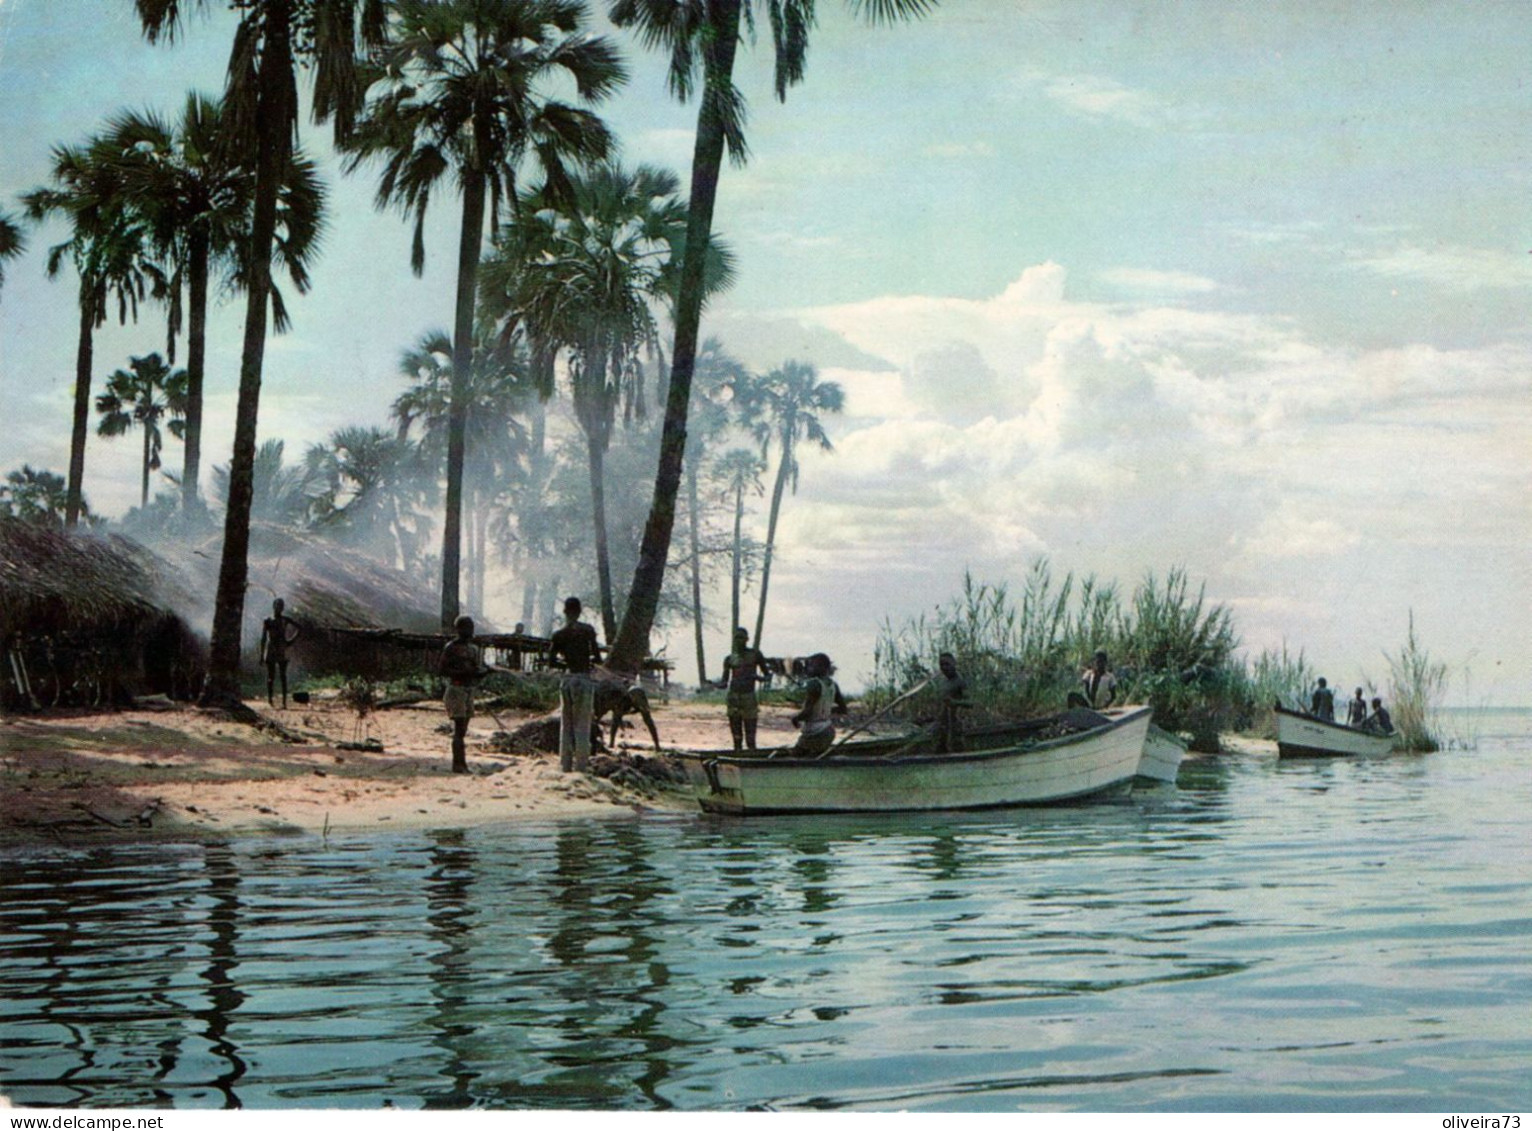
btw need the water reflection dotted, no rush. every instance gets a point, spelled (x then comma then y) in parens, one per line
(450, 915)
(1093, 957)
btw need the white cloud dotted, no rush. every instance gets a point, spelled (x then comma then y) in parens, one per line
(1141, 281)
(1455, 268)
(1139, 436)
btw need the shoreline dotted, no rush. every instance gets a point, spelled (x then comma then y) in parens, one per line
(178, 773)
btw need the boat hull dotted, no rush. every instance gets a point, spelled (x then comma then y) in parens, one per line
(1163, 752)
(1044, 772)
(1303, 736)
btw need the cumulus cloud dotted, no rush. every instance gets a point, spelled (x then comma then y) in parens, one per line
(1141, 435)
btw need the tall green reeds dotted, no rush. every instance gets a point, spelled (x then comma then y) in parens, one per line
(1022, 653)
(1276, 677)
(1417, 686)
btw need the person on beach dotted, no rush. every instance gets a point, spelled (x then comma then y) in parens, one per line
(743, 668)
(1356, 710)
(575, 649)
(822, 699)
(620, 695)
(1099, 683)
(954, 697)
(1378, 722)
(462, 665)
(278, 632)
(1322, 702)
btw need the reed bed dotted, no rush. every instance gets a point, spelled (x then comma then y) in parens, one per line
(1023, 651)
(1417, 686)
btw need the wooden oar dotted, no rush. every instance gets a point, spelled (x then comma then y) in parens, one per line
(865, 723)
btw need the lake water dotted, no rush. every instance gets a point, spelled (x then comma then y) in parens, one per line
(1311, 936)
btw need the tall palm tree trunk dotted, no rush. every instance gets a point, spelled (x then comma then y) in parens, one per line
(148, 459)
(196, 361)
(739, 519)
(597, 460)
(84, 354)
(457, 413)
(777, 490)
(707, 161)
(695, 509)
(273, 151)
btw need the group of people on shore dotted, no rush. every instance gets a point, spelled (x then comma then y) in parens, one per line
(1322, 707)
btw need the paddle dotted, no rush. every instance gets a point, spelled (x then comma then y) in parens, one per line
(865, 723)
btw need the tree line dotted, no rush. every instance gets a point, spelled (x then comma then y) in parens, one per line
(584, 257)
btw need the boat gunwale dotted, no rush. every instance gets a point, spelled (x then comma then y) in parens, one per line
(762, 759)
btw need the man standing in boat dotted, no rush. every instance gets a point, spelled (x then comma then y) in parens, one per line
(1322, 703)
(822, 698)
(1356, 710)
(574, 648)
(954, 697)
(1099, 682)
(743, 668)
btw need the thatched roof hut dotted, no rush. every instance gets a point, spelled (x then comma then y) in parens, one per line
(65, 595)
(326, 587)
(54, 581)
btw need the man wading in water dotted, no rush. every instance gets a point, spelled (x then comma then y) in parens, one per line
(574, 648)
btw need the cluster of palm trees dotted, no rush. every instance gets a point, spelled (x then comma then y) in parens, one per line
(435, 94)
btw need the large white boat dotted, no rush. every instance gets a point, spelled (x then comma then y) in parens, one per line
(1067, 756)
(1303, 736)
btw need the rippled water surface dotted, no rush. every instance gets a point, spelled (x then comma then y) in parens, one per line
(1269, 936)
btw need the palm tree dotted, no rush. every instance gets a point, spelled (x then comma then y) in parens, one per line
(108, 246)
(498, 389)
(705, 34)
(12, 243)
(585, 280)
(280, 493)
(141, 396)
(466, 92)
(718, 372)
(740, 472)
(261, 103)
(195, 192)
(791, 399)
(370, 492)
(38, 496)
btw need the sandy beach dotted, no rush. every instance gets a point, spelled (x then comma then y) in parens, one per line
(180, 772)
(184, 773)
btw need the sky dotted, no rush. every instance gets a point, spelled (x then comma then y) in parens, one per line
(1133, 286)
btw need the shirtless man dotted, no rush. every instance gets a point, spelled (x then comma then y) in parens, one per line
(277, 632)
(743, 668)
(954, 697)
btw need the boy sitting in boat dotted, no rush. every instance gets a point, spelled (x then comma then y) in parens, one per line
(1378, 722)
(822, 699)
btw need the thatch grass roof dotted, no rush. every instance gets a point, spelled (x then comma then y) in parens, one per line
(56, 581)
(323, 585)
